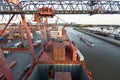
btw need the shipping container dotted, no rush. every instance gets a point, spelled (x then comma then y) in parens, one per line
(41, 71)
(62, 76)
(59, 52)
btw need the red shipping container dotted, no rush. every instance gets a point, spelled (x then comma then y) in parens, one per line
(63, 76)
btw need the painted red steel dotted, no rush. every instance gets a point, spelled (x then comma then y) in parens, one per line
(21, 32)
(13, 1)
(4, 68)
(7, 24)
(44, 31)
(3, 42)
(46, 12)
(47, 57)
(71, 56)
(63, 76)
(74, 54)
(57, 50)
(28, 37)
(87, 71)
(15, 49)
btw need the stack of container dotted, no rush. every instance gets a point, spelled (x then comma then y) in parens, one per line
(59, 52)
(10, 37)
(49, 46)
(63, 31)
(74, 54)
(63, 76)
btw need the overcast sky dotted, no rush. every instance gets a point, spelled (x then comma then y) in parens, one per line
(95, 19)
(79, 19)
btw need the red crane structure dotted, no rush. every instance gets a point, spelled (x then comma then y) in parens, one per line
(5, 71)
(65, 47)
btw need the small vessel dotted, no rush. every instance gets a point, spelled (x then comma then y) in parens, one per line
(86, 41)
(89, 43)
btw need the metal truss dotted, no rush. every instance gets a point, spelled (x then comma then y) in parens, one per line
(62, 6)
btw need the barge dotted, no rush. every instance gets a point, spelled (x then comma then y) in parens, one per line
(86, 41)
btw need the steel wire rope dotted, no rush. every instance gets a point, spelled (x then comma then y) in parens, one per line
(61, 19)
(24, 7)
(33, 4)
(32, 16)
(19, 17)
(5, 17)
(36, 4)
(35, 7)
(39, 4)
(27, 6)
(14, 19)
(12, 4)
(1, 17)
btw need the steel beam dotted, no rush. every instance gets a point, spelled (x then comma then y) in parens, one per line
(7, 24)
(4, 68)
(62, 6)
(28, 37)
(15, 49)
(21, 32)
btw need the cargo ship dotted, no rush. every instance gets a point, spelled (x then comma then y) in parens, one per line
(60, 59)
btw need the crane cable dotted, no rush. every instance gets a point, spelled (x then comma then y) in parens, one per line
(1, 17)
(61, 19)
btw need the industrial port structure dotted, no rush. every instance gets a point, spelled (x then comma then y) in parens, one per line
(60, 7)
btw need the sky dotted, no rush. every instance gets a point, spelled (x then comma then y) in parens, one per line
(112, 19)
(95, 19)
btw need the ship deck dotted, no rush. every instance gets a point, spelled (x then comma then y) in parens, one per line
(47, 57)
(41, 72)
(23, 59)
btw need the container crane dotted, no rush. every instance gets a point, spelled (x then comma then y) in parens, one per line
(68, 55)
(5, 71)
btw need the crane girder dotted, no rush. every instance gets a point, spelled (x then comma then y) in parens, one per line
(62, 6)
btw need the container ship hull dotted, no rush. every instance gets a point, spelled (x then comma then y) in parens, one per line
(60, 60)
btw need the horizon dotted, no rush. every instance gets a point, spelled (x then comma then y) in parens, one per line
(98, 19)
